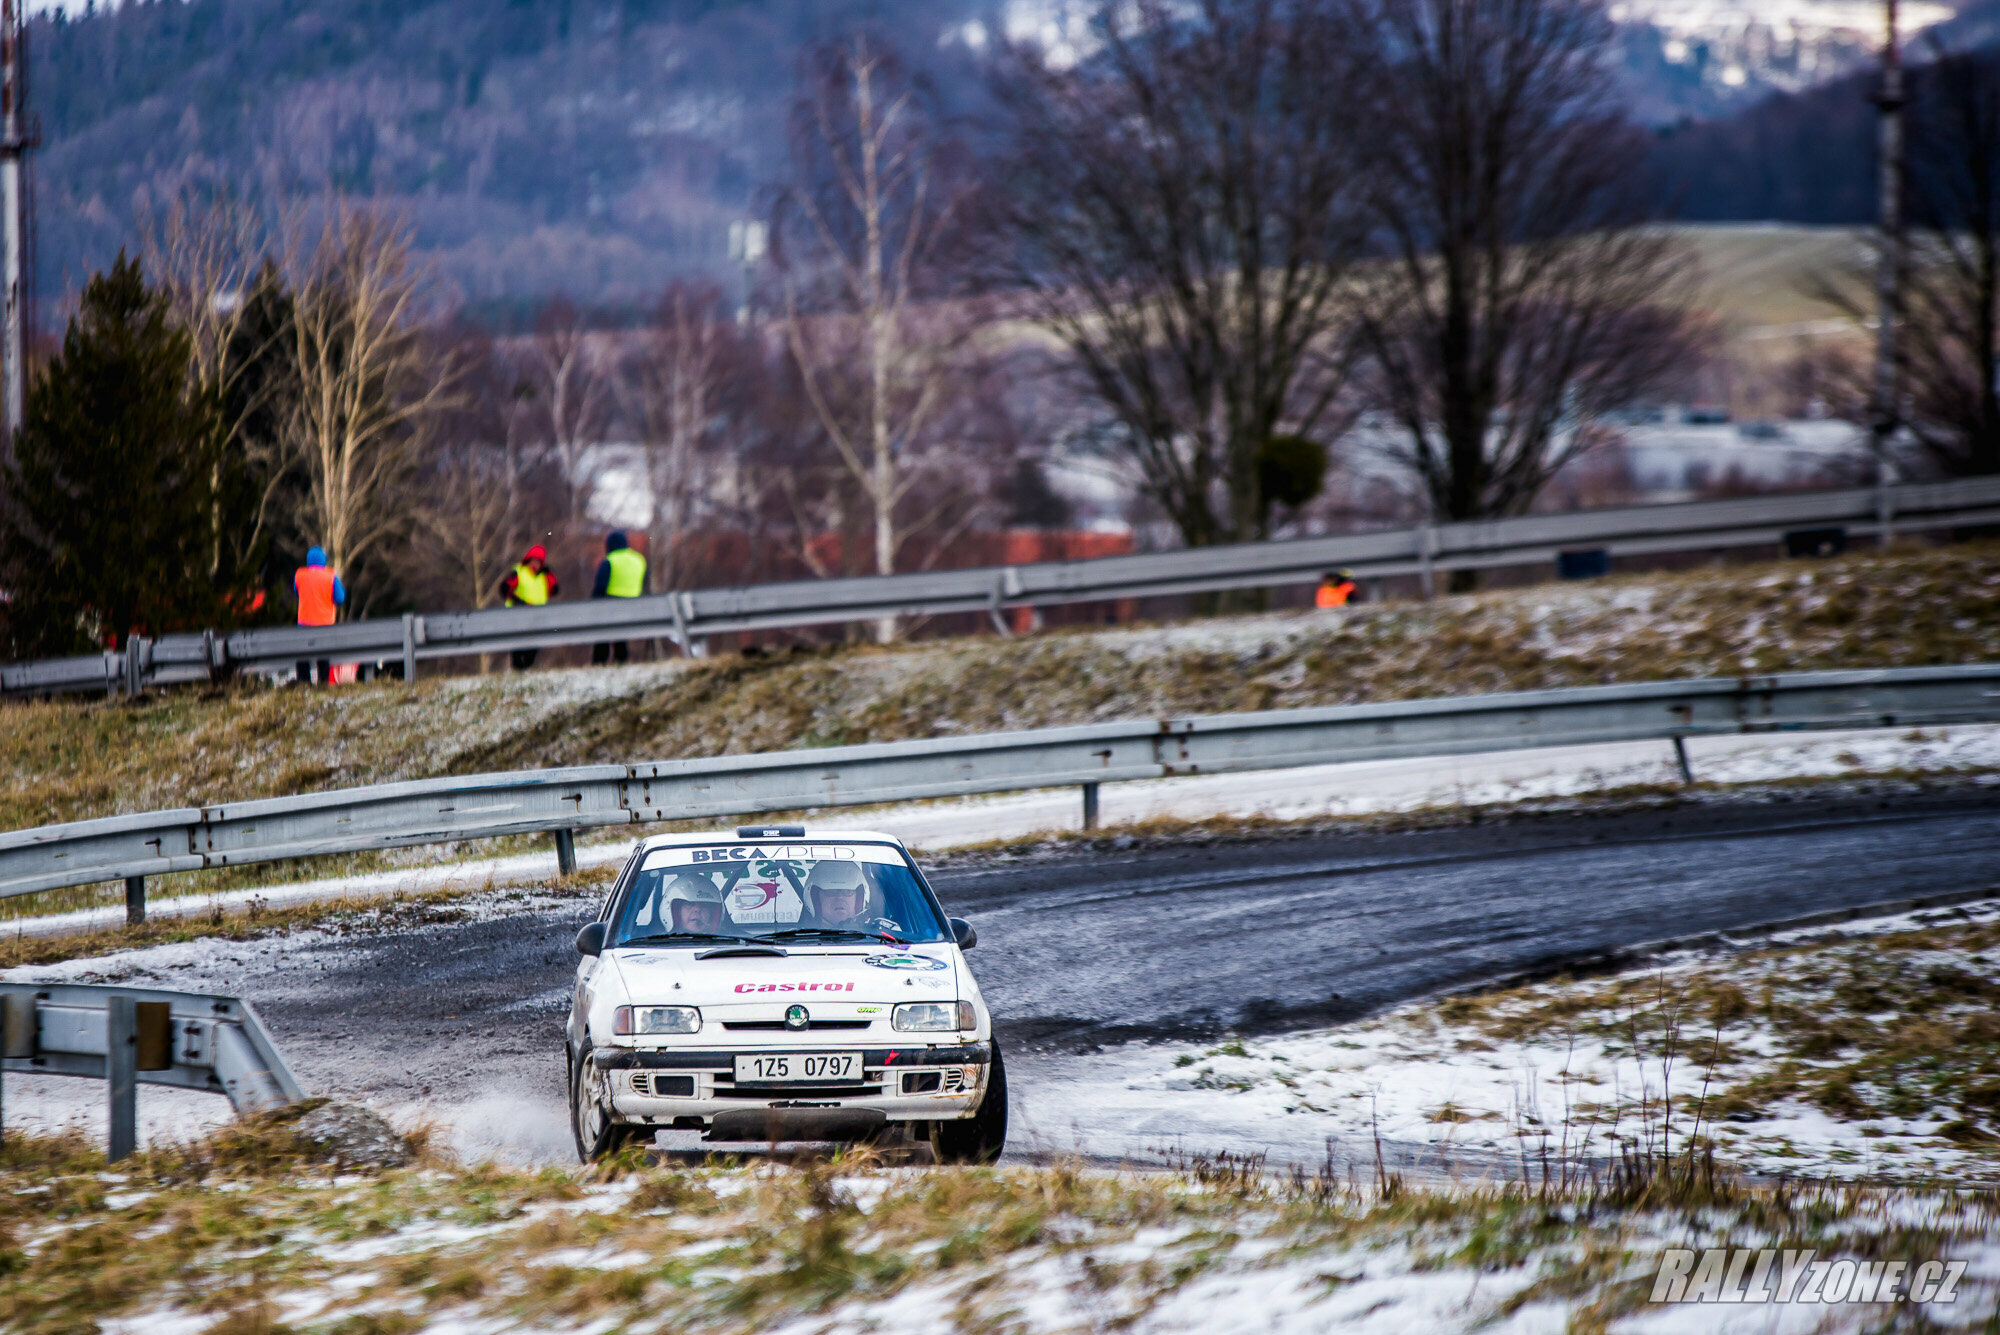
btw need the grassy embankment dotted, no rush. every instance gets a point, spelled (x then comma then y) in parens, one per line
(247, 1234)
(73, 760)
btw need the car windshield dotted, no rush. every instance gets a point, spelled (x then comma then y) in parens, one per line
(801, 893)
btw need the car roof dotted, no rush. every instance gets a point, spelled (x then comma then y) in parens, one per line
(811, 835)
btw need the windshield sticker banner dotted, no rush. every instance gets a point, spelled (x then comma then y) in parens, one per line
(923, 962)
(682, 857)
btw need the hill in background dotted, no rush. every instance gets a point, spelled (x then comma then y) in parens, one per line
(598, 148)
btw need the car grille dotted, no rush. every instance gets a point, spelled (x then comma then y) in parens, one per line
(797, 1091)
(658, 1084)
(777, 1026)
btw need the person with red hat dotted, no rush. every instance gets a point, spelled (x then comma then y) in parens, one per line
(529, 584)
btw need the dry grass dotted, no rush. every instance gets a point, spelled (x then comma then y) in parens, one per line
(258, 1239)
(1894, 1026)
(70, 760)
(342, 914)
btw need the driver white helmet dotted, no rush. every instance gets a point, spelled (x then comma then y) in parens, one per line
(688, 888)
(835, 875)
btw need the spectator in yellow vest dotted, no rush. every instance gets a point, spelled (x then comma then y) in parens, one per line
(529, 584)
(621, 574)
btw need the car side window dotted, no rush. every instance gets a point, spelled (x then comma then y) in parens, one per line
(618, 882)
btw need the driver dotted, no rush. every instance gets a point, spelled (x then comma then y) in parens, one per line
(694, 904)
(839, 896)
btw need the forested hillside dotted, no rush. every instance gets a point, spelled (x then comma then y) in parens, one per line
(595, 147)
(599, 147)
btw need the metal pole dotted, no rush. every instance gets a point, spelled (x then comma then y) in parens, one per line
(135, 900)
(409, 646)
(1681, 755)
(121, 1074)
(1890, 268)
(1090, 806)
(14, 144)
(565, 853)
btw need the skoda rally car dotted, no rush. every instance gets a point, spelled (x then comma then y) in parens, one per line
(777, 984)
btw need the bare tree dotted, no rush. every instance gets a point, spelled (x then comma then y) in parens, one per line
(1182, 211)
(369, 384)
(862, 237)
(1517, 303)
(571, 382)
(468, 524)
(1952, 302)
(211, 254)
(683, 360)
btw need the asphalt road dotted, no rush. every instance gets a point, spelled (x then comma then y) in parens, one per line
(1184, 942)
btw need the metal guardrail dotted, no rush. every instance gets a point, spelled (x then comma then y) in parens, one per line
(431, 811)
(128, 1036)
(685, 618)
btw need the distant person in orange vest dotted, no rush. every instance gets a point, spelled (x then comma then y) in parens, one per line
(321, 594)
(1336, 589)
(529, 584)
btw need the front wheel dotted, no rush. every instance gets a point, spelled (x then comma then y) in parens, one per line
(980, 1137)
(590, 1111)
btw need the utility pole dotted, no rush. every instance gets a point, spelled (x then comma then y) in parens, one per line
(16, 138)
(1886, 416)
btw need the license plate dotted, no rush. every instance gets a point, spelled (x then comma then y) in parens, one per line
(817, 1067)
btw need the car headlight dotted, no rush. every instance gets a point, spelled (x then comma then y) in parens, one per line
(918, 1016)
(656, 1020)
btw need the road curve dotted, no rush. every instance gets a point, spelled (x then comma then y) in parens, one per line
(1184, 942)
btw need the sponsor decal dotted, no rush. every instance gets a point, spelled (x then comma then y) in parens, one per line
(1748, 1275)
(755, 895)
(795, 987)
(867, 1010)
(776, 853)
(918, 962)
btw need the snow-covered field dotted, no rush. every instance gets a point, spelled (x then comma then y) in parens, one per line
(1450, 1097)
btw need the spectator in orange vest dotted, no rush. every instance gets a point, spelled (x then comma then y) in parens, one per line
(320, 595)
(1335, 589)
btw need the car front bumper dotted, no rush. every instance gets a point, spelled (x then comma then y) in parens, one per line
(685, 1088)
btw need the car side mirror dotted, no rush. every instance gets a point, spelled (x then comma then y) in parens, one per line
(961, 932)
(590, 941)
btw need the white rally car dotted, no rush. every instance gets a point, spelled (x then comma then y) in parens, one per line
(779, 984)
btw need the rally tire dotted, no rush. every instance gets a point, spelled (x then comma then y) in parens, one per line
(596, 1134)
(977, 1139)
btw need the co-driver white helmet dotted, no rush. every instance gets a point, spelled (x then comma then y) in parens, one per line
(832, 874)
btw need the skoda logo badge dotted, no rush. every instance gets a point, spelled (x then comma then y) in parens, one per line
(796, 1017)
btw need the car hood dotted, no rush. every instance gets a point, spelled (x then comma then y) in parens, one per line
(875, 975)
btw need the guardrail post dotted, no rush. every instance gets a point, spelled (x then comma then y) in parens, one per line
(135, 900)
(1090, 806)
(1681, 755)
(17, 1027)
(121, 1074)
(132, 666)
(1426, 547)
(409, 646)
(565, 852)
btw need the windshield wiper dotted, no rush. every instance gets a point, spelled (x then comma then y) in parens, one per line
(682, 936)
(832, 932)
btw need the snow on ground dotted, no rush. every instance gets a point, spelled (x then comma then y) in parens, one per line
(1363, 788)
(1449, 1099)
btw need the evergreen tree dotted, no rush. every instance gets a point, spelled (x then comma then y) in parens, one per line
(108, 515)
